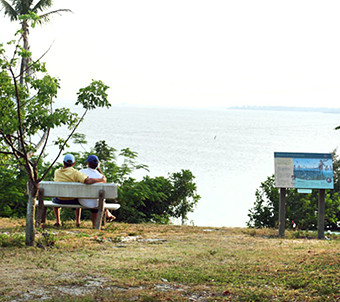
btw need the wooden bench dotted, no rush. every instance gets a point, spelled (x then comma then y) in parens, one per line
(76, 190)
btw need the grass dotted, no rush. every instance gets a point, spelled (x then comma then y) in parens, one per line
(148, 262)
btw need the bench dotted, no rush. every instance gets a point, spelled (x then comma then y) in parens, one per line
(76, 190)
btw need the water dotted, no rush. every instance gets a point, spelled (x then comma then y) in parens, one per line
(230, 152)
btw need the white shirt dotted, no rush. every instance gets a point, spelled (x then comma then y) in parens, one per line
(90, 203)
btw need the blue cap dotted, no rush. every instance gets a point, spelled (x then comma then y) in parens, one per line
(93, 159)
(69, 158)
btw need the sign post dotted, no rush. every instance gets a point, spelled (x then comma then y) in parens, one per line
(321, 214)
(282, 212)
(303, 171)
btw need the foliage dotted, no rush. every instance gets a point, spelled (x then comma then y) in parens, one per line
(13, 188)
(158, 199)
(27, 115)
(24, 7)
(300, 209)
(149, 200)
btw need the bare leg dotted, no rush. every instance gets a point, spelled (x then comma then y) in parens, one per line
(109, 216)
(78, 213)
(57, 216)
(93, 219)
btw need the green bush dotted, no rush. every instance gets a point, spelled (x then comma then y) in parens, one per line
(158, 199)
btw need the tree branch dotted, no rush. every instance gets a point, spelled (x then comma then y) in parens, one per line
(9, 142)
(38, 145)
(21, 135)
(62, 147)
(30, 65)
(46, 16)
(7, 153)
(46, 135)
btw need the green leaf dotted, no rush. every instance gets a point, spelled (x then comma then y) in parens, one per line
(93, 96)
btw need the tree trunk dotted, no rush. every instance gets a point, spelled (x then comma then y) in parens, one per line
(30, 229)
(24, 61)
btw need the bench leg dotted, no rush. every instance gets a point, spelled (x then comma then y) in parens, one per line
(100, 210)
(104, 217)
(41, 213)
(43, 216)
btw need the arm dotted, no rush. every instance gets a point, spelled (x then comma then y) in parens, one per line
(90, 181)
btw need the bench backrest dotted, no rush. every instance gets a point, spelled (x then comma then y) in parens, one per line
(77, 190)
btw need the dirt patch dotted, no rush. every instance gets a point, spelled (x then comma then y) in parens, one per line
(89, 285)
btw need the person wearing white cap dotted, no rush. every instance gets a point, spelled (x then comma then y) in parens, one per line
(94, 171)
(69, 174)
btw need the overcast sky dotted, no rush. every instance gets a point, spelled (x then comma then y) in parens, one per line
(195, 53)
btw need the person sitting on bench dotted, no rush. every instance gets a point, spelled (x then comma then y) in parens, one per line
(69, 174)
(94, 171)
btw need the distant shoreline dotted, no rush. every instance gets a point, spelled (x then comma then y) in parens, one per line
(283, 108)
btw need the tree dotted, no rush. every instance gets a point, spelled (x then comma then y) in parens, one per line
(25, 7)
(27, 112)
(183, 194)
(158, 199)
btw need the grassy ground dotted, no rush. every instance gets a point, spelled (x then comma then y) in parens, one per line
(126, 262)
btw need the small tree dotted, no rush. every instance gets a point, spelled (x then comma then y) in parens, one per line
(158, 199)
(27, 112)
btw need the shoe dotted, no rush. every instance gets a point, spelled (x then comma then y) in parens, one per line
(57, 225)
(78, 225)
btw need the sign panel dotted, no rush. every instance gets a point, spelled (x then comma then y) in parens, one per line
(303, 170)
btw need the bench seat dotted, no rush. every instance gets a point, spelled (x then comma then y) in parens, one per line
(49, 203)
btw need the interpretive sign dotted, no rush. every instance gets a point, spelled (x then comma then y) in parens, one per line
(303, 170)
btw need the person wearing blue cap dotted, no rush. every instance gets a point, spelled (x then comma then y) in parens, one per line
(69, 174)
(94, 171)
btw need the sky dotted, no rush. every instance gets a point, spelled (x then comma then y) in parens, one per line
(195, 53)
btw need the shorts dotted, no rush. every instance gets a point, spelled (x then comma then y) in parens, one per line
(69, 201)
(72, 202)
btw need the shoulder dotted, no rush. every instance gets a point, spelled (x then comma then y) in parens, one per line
(60, 170)
(78, 172)
(79, 176)
(97, 172)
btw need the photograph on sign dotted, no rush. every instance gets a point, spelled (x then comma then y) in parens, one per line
(303, 170)
(313, 173)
